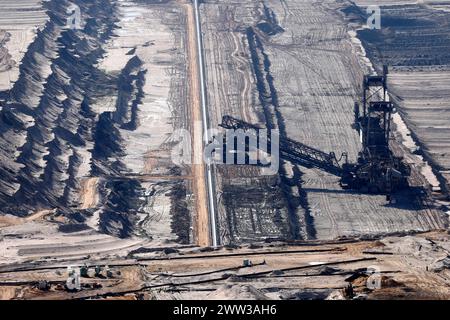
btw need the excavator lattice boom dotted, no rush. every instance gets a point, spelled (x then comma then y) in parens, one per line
(377, 169)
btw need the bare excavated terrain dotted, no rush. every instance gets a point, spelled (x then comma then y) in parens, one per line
(19, 23)
(412, 267)
(304, 75)
(414, 40)
(92, 118)
(86, 127)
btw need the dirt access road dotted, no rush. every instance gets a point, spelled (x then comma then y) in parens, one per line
(202, 232)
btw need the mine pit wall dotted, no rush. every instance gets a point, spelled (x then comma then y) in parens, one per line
(151, 103)
(56, 136)
(43, 122)
(420, 73)
(49, 127)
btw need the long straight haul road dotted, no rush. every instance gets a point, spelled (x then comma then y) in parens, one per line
(204, 181)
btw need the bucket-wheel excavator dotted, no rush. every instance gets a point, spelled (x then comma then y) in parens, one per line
(377, 169)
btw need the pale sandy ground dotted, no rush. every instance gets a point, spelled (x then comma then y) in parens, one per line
(89, 193)
(157, 43)
(156, 35)
(9, 220)
(426, 111)
(143, 28)
(39, 240)
(154, 32)
(316, 65)
(409, 267)
(21, 19)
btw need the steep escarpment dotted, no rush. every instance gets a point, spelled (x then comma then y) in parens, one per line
(46, 124)
(131, 93)
(70, 124)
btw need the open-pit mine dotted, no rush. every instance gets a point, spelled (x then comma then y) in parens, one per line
(122, 123)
